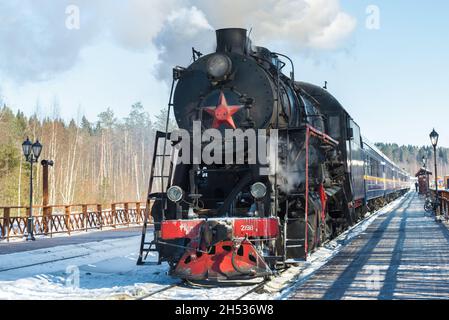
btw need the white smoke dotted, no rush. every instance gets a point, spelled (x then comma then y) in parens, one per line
(298, 24)
(289, 177)
(35, 43)
(184, 29)
(318, 24)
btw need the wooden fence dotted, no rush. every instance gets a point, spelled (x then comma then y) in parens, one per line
(56, 219)
(444, 197)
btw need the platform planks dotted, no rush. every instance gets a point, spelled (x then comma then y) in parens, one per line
(402, 255)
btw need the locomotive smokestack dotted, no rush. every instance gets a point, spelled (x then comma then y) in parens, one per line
(232, 40)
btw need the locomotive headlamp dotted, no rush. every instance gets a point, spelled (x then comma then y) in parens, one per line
(175, 193)
(258, 190)
(219, 65)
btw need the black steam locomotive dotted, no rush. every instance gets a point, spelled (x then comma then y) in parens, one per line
(246, 219)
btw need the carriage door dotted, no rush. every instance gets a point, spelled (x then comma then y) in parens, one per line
(357, 161)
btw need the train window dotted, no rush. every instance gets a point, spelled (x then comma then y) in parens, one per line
(375, 168)
(355, 132)
(313, 116)
(287, 101)
(368, 166)
(334, 127)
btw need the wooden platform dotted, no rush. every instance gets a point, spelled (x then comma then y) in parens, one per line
(402, 255)
(64, 240)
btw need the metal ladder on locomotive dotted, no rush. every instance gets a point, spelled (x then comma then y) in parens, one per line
(160, 176)
(167, 152)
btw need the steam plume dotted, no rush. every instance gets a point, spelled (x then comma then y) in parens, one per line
(35, 44)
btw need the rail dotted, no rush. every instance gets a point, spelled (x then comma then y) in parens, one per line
(56, 219)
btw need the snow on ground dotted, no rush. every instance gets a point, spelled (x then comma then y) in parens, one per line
(107, 270)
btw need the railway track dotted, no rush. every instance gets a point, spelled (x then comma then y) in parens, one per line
(164, 289)
(44, 262)
(254, 289)
(186, 285)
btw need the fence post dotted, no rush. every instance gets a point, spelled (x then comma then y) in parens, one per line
(84, 216)
(2, 230)
(114, 215)
(26, 224)
(67, 219)
(126, 205)
(100, 215)
(444, 203)
(138, 212)
(45, 196)
(46, 219)
(50, 217)
(6, 223)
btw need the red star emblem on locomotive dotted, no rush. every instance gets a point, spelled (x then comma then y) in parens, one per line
(223, 112)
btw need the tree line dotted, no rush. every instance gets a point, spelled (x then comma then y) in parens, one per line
(109, 159)
(411, 157)
(94, 162)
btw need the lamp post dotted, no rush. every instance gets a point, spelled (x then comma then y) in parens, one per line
(47, 213)
(434, 140)
(31, 151)
(424, 160)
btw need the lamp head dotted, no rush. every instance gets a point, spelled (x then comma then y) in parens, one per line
(37, 149)
(434, 138)
(26, 148)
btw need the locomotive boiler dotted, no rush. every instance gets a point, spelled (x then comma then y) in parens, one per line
(238, 217)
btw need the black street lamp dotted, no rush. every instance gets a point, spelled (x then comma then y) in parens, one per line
(32, 152)
(434, 140)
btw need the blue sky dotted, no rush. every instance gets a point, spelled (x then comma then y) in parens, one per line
(393, 81)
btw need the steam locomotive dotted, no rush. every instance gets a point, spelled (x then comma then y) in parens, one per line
(247, 219)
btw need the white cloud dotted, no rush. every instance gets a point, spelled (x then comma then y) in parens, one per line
(35, 44)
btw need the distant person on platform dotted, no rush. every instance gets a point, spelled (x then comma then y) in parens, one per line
(416, 186)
